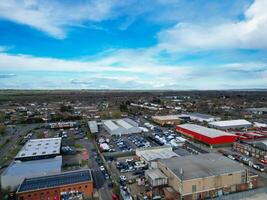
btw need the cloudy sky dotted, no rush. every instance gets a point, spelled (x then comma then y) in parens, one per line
(133, 44)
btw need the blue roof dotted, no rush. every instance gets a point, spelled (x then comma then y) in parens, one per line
(55, 180)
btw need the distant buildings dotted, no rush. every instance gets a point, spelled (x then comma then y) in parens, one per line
(231, 124)
(121, 126)
(202, 117)
(67, 185)
(167, 120)
(36, 158)
(209, 136)
(60, 125)
(258, 111)
(205, 176)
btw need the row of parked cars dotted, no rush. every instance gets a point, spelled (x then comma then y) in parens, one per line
(123, 145)
(129, 165)
(245, 160)
(139, 141)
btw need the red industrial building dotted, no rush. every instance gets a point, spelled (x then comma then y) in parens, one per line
(209, 136)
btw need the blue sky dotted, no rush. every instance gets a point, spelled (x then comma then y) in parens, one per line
(133, 44)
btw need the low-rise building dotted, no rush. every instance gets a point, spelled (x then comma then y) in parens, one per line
(60, 125)
(65, 185)
(156, 178)
(209, 136)
(231, 124)
(205, 176)
(153, 154)
(167, 120)
(121, 126)
(36, 158)
(93, 126)
(202, 117)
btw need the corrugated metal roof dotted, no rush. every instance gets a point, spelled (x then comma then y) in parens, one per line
(201, 166)
(209, 132)
(110, 125)
(237, 122)
(124, 124)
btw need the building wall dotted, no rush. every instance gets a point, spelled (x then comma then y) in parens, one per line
(166, 122)
(51, 193)
(205, 187)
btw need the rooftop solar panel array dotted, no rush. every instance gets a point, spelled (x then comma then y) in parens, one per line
(55, 180)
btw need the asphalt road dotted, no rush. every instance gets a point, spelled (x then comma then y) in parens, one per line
(101, 184)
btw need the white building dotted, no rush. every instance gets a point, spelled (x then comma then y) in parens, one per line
(93, 126)
(37, 157)
(15, 173)
(202, 117)
(153, 154)
(121, 126)
(231, 124)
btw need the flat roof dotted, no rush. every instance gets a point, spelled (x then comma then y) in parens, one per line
(34, 167)
(167, 117)
(153, 153)
(226, 123)
(40, 147)
(155, 174)
(65, 178)
(201, 166)
(209, 132)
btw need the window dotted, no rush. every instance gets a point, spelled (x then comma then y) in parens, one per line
(80, 187)
(85, 186)
(21, 198)
(194, 188)
(29, 195)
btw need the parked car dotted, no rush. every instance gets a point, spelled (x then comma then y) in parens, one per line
(258, 166)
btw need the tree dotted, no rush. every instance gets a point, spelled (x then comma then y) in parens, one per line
(2, 129)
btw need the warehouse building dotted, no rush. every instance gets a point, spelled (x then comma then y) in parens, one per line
(209, 136)
(40, 149)
(167, 120)
(121, 126)
(231, 124)
(202, 117)
(93, 126)
(36, 158)
(59, 125)
(205, 176)
(67, 185)
(153, 154)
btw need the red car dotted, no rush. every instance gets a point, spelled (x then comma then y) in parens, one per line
(264, 161)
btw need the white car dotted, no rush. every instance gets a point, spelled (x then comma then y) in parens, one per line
(102, 168)
(123, 178)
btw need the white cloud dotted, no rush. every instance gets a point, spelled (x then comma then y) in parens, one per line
(52, 16)
(249, 33)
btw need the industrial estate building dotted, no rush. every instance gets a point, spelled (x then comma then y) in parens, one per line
(209, 136)
(153, 154)
(121, 126)
(231, 124)
(202, 117)
(167, 120)
(59, 125)
(65, 185)
(93, 126)
(36, 158)
(205, 176)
